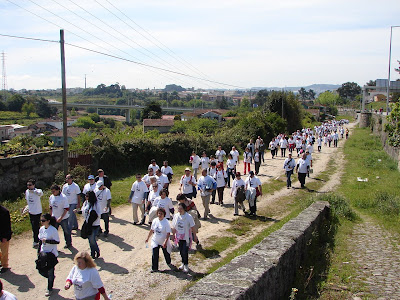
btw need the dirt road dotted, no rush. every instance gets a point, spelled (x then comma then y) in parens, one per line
(125, 262)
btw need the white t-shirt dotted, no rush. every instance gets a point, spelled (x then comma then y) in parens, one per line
(153, 195)
(205, 162)
(289, 164)
(89, 188)
(139, 188)
(86, 209)
(220, 155)
(165, 203)
(303, 164)
(283, 143)
(298, 143)
(211, 171)
(235, 155)
(247, 157)
(252, 182)
(86, 282)
(272, 145)
(50, 233)
(33, 199)
(102, 197)
(7, 296)
(187, 188)
(257, 156)
(155, 168)
(71, 191)
(146, 179)
(161, 229)
(195, 162)
(182, 225)
(220, 178)
(166, 170)
(162, 180)
(235, 185)
(231, 163)
(310, 148)
(58, 204)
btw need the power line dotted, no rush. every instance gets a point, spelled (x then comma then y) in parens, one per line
(131, 61)
(187, 64)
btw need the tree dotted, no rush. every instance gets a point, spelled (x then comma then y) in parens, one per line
(311, 94)
(85, 122)
(328, 98)
(152, 111)
(371, 83)
(15, 103)
(28, 108)
(221, 103)
(349, 90)
(261, 97)
(303, 94)
(43, 108)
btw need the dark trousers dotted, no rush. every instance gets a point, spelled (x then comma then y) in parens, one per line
(283, 151)
(231, 173)
(49, 274)
(220, 191)
(67, 232)
(319, 148)
(288, 178)
(184, 251)
(155, 257)
(302, 178)
(262, 156)
(329, 143)
(106, 218)
(213, 193)
(94, 248)
(257, 166)
(335, 143)
(253, 208)
(273, 152)
(298, 151)
(35, 223)
(189, 196)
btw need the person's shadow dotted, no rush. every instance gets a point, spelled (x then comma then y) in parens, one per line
(56, 295)
(118, 241)
(111, 267)
(22, 281)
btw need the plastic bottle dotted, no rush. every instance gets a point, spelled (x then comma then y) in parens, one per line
(110, 296)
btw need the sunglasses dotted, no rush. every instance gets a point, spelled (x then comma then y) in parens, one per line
(29, 184)
(44, 221)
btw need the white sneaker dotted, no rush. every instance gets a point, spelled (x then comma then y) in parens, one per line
(181, 267)
(48, 293)
(185, 269)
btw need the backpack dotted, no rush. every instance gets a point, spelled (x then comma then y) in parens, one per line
(240, 194)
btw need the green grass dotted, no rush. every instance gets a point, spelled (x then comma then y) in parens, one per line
(12, 117)
(345, 116)
(218, 245)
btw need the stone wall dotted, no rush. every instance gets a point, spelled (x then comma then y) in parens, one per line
(268, 270)
(15, 171)
(378, 128)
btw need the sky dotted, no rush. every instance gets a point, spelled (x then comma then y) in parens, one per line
(223, 44)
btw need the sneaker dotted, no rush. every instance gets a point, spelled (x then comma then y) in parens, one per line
(185, 269)
(48, 293)
(67, 246)
(235, 214)
(181, 267)
(171, 266)
(153, 271)
(3, 270)
(105, 233)
(35, 245)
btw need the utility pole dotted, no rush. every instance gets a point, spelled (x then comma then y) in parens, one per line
(85, 81)
(64, 102)
(4, 77)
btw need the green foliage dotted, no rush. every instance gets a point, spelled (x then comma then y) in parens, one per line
(222, 103)
(95, 117)
(24, 145)
(85, 122)
(15, 103)
(152, 111)
(328, 98)
(392, 127)
(349, 90)
(28, 108)
(43, 108)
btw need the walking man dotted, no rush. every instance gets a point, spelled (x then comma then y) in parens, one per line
(205, 185)
(32, 196)
(72, 191)
(289, 166)
(302, 170)
(139, 192)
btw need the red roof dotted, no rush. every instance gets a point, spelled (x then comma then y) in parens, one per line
(71, 131)
(157, 122)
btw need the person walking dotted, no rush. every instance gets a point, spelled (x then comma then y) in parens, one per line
(205, 185)
(5, 237)
(139, 192)
(235, 154)
(59, 209)
(257, 161)
(220, 154)
(289, 166)
(237, 192)
(283, 145)
(182, 231)
(205, 161)
(246, 160)
(220, 178)
(251, 148)
(85, 278)
(195, 161)
(262, 150)
(272, 147)
(72, 191)
(253, 182)
(187, 184)
(230, 168)
(153, 165)
(160, 232)
(102, 177)
(49, 239)
(91, 212)
(89, 186)
(302, 169)
(103, 196)
(167, 170)
(211, 172)
(162, 201)
(32, 196)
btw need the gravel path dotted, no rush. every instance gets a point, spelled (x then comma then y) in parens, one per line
(378, 259)
(125, 262)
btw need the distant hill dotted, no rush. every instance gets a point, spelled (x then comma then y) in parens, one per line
(318, 88)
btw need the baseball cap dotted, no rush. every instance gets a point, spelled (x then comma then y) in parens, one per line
(188, 169)
(90, 177)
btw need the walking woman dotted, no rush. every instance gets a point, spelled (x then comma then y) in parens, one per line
(247, 160)
(230, 168)
(91, 212)
(47, 260)
(160, 230)
(220, 178)
(85, 278)
(182, 229)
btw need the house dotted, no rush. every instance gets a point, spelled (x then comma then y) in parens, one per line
(5, 132)
(58, 138)
(162, 125)
(58, 123)
(38, 129)
(212, 114)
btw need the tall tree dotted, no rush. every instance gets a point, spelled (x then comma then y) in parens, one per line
(261, 97)
(152, 111)
(15, 103)
(349, 90)
(303, 94)
(311, 94)
(28, 108)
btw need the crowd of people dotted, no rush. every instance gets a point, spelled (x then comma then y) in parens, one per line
(149, 195)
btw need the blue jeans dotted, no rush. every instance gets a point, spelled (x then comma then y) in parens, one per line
(94, 248)
(288, 179)
(184, 251)
(67, 232)
(49, 274)
(72, 221)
